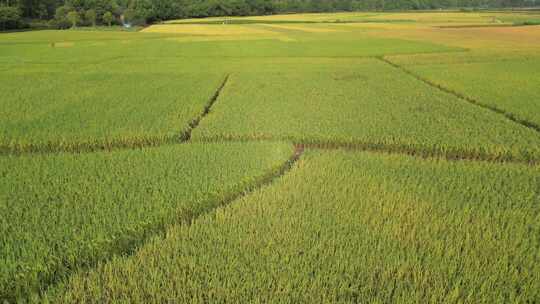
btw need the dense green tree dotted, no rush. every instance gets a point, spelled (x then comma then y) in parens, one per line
(108, 18)
(10, 17)
(147, 11)
(43, 9)
(90, 16)
(99, 6)
(74, 18)
(60, 17)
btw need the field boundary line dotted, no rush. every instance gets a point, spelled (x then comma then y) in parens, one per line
(189, 216)
(186, 136)
(335, 57)
(419, 152)
(85, 147)
(400, 149)
(48, 42)
(508, 115)
(425, 154)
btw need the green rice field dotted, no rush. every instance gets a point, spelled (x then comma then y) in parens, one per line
(364, 157)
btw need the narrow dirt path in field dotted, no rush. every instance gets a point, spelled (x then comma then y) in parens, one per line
(416, 152)
(189, 216)
(388, 149)
(195, 123)
(510, 116)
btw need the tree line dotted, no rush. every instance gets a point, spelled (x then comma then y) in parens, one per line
(69, 13)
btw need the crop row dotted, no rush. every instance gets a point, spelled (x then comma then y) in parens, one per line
(345, 227)
(65, 212)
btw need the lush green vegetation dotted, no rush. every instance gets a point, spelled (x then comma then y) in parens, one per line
(491, 83)
(443, 18)
(10, 18)
(83, 208)
(228, 100)
(111, 109)
(106, 50)
(346, 227)
(360, 102)
(72, 13)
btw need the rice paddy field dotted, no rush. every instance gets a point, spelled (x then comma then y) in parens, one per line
(364, 157)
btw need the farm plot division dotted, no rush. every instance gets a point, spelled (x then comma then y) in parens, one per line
(491, 83)
(364, 102)
(342, 227)
(102, 92)
(66, 212)
(124, 225)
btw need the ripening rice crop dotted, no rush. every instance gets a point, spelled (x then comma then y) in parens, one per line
(476, 56)
(438, 17)
(47, 36)
(85, 47)
(493, 39)
(309, 28)
(100, 95)
(65, 212)
(512, 85)
(103, 91)
(432, 17)
(293, 44)
(363, 102)
(91, 49)
(99, 107)
(207, 29)
(346, 227)
(143, 90)
(137, 226)
(319, 17)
